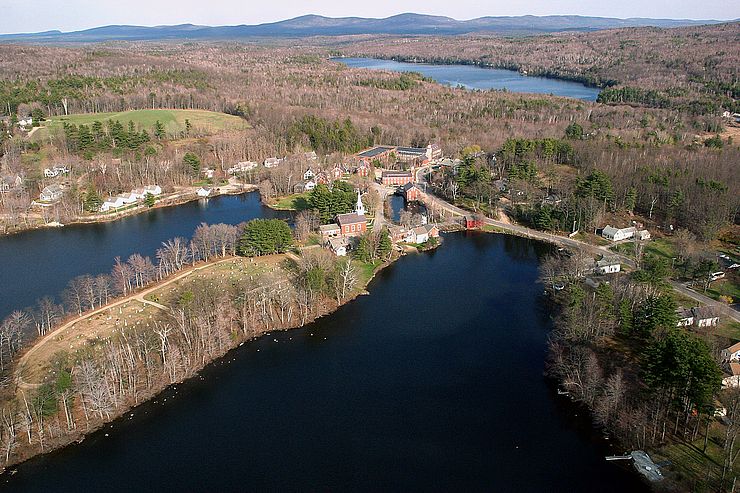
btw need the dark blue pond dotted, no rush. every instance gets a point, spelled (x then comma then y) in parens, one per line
(433, 382)
(40, 263)
(473, 77)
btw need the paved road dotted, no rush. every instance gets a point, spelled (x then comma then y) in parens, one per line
(380, 219)
(569, 243)
(721, 307)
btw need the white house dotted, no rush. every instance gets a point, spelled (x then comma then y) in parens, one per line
(685, 317)
(705, 316)
(203, 192)
(421, 235)
(112, 203)
(52, 193)
(308, 174)
(139, 193)
(338, 245)
(731, 353)
(608, 265)
(272, 162)
(128, 198)
(56, 170)
(10, 182)
(242, 167)
(617, 234)
(642, 235)
(153, 190)
(309, 185)
(733, 379)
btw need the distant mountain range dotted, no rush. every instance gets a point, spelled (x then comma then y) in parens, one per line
(316, 25)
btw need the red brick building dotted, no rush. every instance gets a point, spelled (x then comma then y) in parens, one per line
(352, 224)
(411, 192)
(473, 222)
(397, 177)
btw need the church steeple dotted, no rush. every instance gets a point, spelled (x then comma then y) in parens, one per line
(359, 208)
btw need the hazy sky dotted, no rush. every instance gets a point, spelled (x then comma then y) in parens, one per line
(68, 15)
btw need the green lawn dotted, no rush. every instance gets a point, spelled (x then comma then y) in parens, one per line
(295, 202)
(661, 248)
(173, 120)
(724, 287)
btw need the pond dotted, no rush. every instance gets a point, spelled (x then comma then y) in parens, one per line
(432, 382)
(474, 77)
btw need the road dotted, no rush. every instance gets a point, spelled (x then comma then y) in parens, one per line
(566, 242)
(380, 219)
(722, 308)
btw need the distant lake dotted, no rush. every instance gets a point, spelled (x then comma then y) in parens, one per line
(473, 77)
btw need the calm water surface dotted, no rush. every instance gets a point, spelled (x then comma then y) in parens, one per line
(40, 263)
(473, 77)
(433, 382)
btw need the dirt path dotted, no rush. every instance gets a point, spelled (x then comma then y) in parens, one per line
(139, 296)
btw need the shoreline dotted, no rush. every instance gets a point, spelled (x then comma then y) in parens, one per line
(534, 72)
(77, 436)
(114, 216)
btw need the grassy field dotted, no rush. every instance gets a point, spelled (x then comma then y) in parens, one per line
(173, 120)
(295, 202)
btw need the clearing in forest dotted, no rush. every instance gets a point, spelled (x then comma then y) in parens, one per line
(173, 120)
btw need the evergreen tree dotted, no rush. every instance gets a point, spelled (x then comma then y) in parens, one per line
(192, 161)
(158, 130)
(362, 252)
(265, 237)
(385, 245)
(150, 200)
(92, 201)
(37, 116)
(630, 200)
(574, 131)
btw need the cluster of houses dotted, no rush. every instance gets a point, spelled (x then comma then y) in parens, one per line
(620, 234)
(312, 177)
(341, 236)
(128, 198)
(731, 360)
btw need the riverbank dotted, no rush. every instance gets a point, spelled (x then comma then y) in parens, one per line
(175, 199)
(36, 365)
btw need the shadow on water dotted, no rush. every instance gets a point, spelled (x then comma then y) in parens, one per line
(433, 382)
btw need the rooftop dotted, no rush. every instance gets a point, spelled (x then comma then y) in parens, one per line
(375, 151)
(351, 218)
(397, 173)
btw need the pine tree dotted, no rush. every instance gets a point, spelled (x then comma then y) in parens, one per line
(149, 200)
(384, 245)
(158, 130)
(192, 161)
(92, 201)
